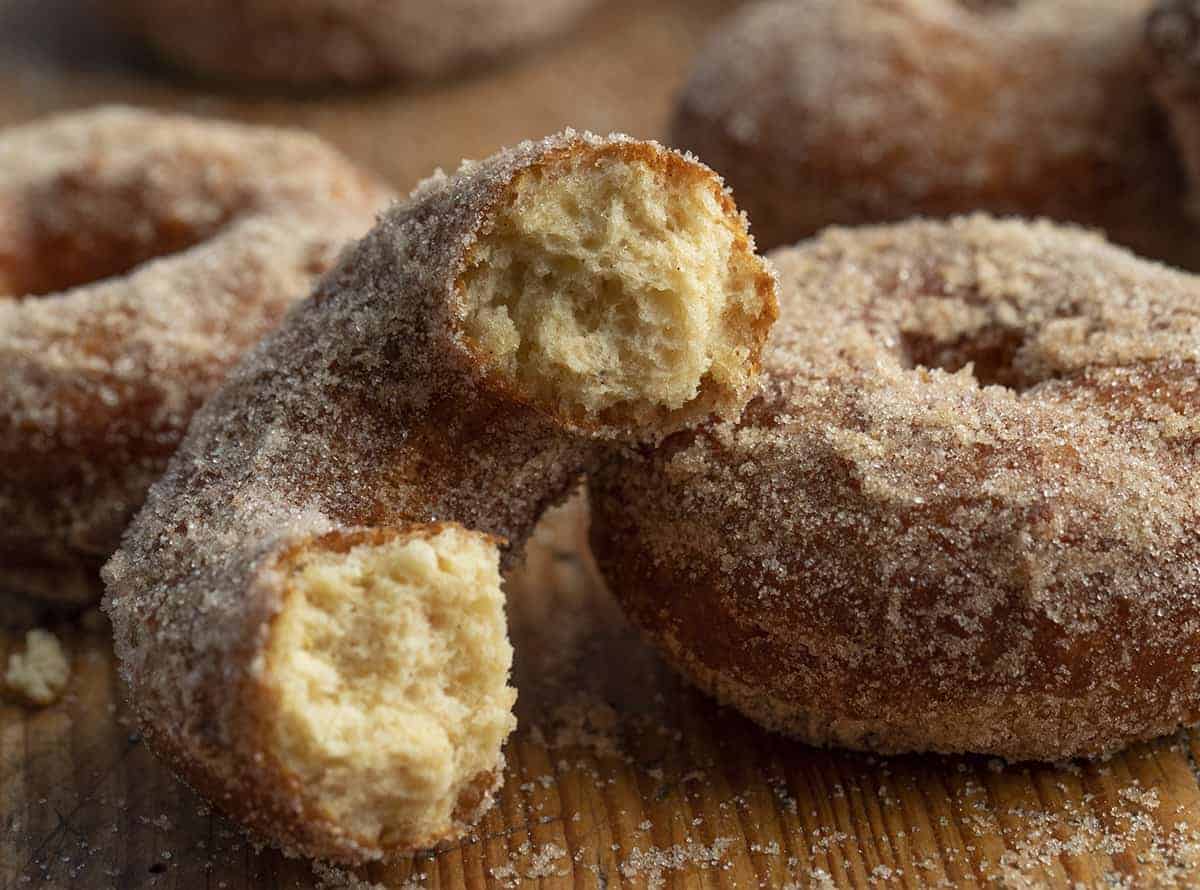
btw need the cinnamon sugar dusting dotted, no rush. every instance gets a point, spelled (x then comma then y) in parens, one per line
(963, 515)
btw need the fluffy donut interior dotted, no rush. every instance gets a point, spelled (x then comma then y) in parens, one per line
(615, 288)
(389, 666)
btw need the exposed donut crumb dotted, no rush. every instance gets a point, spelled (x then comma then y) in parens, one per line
(40, 673)
(389, 665)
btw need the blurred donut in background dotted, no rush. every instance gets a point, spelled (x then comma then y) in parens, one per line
(1173, 45)
(853, 111)
(140, 255)
(310, 43)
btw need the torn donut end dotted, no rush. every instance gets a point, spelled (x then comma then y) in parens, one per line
(384, 686)
(618, 286)
(384, 403)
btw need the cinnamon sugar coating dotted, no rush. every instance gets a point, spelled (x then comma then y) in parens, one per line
(366, 415)
(310, 43)
(861, 111)
(963, 516)
(140, 254)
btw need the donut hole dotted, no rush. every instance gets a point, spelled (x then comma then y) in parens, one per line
(58, 262)
(990, 353)
(616, 290)
(1172, 34)
(74, 233)
(388, 666)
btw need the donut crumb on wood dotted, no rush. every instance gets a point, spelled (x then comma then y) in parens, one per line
(39, 674)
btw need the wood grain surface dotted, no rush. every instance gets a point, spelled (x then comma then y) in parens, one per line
(619, 774)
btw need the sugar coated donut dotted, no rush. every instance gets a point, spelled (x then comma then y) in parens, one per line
(964, 514)
(857, 111)
(316, 42)
(307, 611)
(140, 254)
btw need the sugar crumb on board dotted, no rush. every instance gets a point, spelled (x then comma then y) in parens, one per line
(732, 782)
(331, 877)
(531, 862)
(598, 736)
(652, 863)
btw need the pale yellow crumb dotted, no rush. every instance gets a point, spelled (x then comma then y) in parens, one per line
(40, 673)
(390, 664)
(599, 287)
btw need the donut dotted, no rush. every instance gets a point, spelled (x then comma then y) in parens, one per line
(307, 610)
(963, 514)
(140, 254)
(310, 43)
(1173, 43)
(864, 111)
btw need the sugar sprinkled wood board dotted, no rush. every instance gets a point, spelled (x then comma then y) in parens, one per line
(619, 774)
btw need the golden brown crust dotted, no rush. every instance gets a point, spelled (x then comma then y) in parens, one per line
(365, 413)
(319, 42)
(143, 253)
(856, 111)
(963, 515)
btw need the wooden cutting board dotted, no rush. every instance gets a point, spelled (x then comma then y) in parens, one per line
(619, 774)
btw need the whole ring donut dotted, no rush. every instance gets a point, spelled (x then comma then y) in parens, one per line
(316, 42)
(306, 634)
(963, 516)
(859, 111)
(140, 254)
